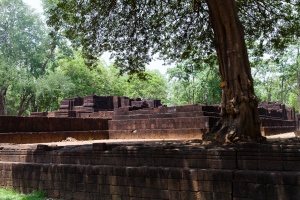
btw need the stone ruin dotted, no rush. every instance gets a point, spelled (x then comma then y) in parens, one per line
(138, 119)
(166, 169)
(276, 118)
(113, 117)
(97, 106)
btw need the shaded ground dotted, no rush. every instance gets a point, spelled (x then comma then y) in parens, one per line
(284, 138)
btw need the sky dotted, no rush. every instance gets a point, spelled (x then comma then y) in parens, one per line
(154, 65)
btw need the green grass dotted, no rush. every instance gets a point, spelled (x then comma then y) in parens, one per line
(10, 194)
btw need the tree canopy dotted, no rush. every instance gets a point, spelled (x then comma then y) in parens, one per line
(136, 30)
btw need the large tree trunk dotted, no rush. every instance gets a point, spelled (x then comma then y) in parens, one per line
(240, 119)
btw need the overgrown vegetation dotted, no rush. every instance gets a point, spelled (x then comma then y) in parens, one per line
(38, 71)
(10, 194)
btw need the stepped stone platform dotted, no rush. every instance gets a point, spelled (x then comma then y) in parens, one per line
(103, 117)
(190, 121)
(160, 169)
(276, 118)
(94, 106)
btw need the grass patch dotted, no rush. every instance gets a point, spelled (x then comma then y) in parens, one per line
(11, 194)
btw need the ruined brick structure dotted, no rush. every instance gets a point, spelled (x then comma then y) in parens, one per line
(190, 121)
(166, 169)
(126, 118)
(276, 118)
(155, 170)
(97, 106)
(14, 129)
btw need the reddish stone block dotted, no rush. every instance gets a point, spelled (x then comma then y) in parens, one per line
(257, 191)
(205, 186)
(222, 187)
(174, 194)
(222, 196)
(278, 192)
(174, 184)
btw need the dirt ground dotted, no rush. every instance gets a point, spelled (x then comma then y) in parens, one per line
(74, 142)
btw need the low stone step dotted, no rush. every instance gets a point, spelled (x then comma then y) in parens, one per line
(182, 133)
(164, 123)
(273, 130)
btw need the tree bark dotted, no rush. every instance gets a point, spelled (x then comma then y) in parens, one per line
(298, 78)
(240, 118)
(2, 102)
(24, 104)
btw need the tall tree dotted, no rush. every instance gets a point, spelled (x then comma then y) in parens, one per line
(25, 50)
(135, 30)
(154, 86)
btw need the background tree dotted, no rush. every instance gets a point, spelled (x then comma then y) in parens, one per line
(154, 86)
(51, 89)
(194, 83)
(275, 77)
(135, 30)
(25, 51)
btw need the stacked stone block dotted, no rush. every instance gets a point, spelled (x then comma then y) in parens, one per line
(191, 121)
(156, 171)
(276, 118)
(14, 129)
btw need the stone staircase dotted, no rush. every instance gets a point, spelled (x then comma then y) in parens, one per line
(190, 121)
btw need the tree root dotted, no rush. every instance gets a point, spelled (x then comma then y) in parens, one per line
(221, 133)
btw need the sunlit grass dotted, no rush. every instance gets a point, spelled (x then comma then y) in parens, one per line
(11, 194)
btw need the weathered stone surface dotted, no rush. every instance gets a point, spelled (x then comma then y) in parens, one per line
(150, 173)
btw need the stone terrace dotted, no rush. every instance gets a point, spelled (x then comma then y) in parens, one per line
(276, 118)
(155, 170)
(190, 121)
(96, 117)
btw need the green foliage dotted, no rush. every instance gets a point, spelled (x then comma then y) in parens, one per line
(51, 89)
(153, 87)
(194, 84)
(10, 194)
(107, 81)
(276, 77)
(25, 53)
(136, 30)
(99, 79)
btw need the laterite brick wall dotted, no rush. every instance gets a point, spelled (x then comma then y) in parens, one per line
(50, 124)
(15, 129)
(156, 171)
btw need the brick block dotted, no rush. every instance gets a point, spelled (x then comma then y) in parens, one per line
(278, 192)
(222, 196)
(196, 195)
(240, 189)
(99, 146)
(117, 180)
(120, 197)
(136, 192)
(189, 185)
(136, 181)
(155, 193)
(174, 194)
(295, 192)
(175, 173)
(190, 174)
(222, 187)
(257, 191)
(247, 164)
(205, 186)
(119, 190)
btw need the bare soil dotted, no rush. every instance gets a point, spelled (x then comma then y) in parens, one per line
(285, 138)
